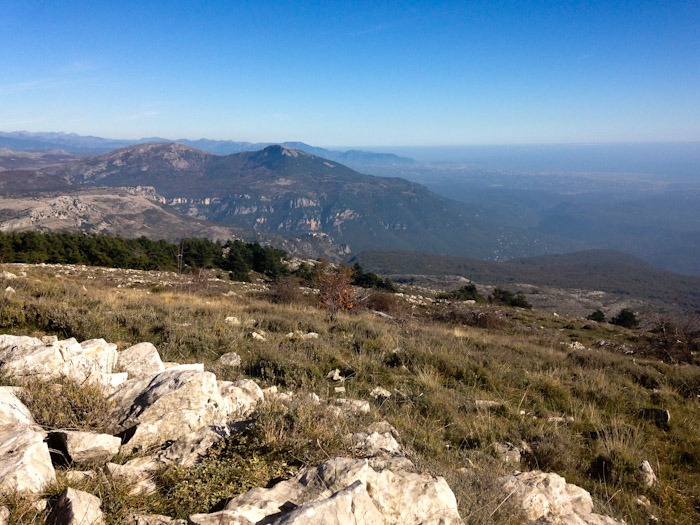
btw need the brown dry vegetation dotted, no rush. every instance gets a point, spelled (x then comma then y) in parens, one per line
(436, 360)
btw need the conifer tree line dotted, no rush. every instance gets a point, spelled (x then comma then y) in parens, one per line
(237, 257)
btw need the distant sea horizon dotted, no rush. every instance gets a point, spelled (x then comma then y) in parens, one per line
(667, 160)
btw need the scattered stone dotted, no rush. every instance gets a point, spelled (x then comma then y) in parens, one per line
(335, 375)
(577, 345)
(486, 405)
(138, 473)
(75, 507)
(560, 419)
(233, 321)
(257, 337)
(380, 394)
(155, 519)
(223, 517)
(49, 339)
(350, 407)
(352, 504)
(231, 359)
(4, 516)
(507, 452)
(25, 462)
(190, 448)
(84, 448)
(29, 357)
(645, 474)
(376, 443)
(7, 276)
(339, 390)
(546, 498)
(78, 476)
(10, 291)
(140, 361)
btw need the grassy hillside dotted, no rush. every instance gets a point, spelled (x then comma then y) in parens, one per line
(572, 408)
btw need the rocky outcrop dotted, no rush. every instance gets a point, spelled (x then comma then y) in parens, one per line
(344, 490)
(90, 361)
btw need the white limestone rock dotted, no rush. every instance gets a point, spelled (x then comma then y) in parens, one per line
(349, 505)
(645, 474)
(75, 507)
(231, 359)
(85, 448)
(167, 406)
(189, 449)
(398, 497)
(138, 473)
(155, 519)
(13, 413)
(25, 462)
(349, 407)
(546, 498)
(376, 443)
(241, 397)
(29, 357)
(140, 361)
(379, 394)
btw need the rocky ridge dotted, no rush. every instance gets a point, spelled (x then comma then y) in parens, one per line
(173, 413)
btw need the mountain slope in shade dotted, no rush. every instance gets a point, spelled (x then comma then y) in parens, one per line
(293, 193)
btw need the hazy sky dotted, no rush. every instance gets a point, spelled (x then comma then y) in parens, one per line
(354, 73)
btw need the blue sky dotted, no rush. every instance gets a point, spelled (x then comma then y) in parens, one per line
(354, 73)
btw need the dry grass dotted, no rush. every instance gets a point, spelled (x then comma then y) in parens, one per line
(436, 363)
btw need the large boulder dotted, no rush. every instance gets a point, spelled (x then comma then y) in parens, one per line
(546, 498)
(162, 408)
(25, 462)
(346, 490)
(75, 507)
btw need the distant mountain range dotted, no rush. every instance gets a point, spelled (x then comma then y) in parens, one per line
(88, 145)
(293, 193)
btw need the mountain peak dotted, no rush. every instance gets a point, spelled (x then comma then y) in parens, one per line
(285, 151)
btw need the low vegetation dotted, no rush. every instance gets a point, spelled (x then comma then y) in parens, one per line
(569, 393)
